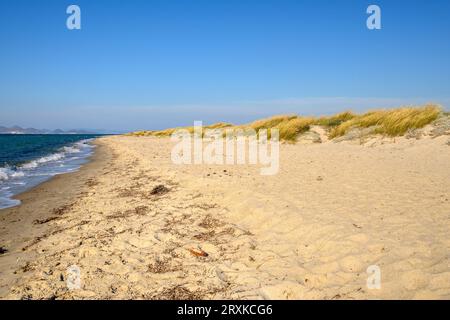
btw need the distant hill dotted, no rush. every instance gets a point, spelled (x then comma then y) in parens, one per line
(20, 130)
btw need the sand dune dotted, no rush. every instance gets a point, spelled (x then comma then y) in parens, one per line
(140, 227)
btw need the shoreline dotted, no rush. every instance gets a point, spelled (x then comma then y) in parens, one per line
(24, 195)
(38, 203)
(63, 155)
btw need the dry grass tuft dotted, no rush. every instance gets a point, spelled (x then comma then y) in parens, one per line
(335, 120)
(391, 122)
(271, 122)
(290, 130)
(170, 131)
(395, 122)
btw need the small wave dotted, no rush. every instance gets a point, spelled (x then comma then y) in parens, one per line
(83, 143)
(77, 147)
(30, 165)
(71, 150)
(4, 173)
(18, 174)
(33, 164)
(7, 173)
(19, 183)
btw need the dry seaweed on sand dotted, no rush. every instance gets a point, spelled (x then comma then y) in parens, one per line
(177, 293)
(209, 222)
(163, 266)
(43, 221)
(159, 190)
(92, 182)
(62, 210)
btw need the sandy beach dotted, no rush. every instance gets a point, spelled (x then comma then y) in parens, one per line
(140, 227)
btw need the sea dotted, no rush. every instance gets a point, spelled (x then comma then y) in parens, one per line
(27, 160)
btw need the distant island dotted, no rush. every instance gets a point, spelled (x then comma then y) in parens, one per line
(20, 130)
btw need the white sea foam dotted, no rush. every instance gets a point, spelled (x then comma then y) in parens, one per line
(4, 173)
(16, 179)
(75, 148)
(7, 173)
(53, 157)
(71, 150)
(17, 174)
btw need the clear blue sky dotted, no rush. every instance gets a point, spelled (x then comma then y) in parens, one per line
(153, 64)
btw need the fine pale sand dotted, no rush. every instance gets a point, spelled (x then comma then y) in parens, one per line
(309, 232)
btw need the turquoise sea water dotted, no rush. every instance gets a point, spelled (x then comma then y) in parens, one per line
(27, 160)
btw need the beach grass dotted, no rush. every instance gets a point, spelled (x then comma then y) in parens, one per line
(335, 120)
(389, 122)
(394, 122)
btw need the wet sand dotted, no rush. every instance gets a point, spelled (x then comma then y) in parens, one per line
(21, 225)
